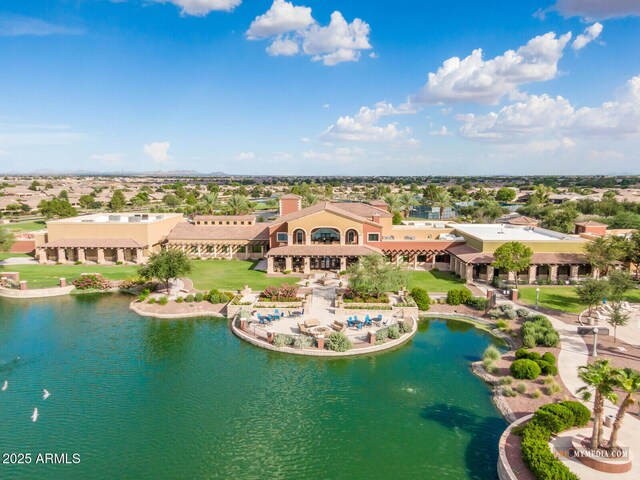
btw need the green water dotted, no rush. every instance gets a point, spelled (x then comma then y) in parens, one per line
(140, 398)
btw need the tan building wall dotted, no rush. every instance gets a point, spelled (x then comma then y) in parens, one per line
(540, 246)
(324, 219)
(151, 233)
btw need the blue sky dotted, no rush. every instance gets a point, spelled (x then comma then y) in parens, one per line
(321, 87)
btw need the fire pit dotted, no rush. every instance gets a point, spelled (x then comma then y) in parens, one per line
(320, 330)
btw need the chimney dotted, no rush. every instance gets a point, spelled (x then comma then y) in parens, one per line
(290, 203)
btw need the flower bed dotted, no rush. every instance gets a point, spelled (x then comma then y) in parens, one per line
(92, 281)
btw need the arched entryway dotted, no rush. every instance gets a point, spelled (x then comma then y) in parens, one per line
(299, 237)
(351, 237)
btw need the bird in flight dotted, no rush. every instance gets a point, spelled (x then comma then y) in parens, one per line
(34, 416)
(45, 394)
(5, 385)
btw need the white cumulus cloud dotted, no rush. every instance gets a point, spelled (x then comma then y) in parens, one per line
(282, 17)
(543, 116)
(474, 79)
(201, 8)
(292, 29)
(441, 132)
(158, 151)
(590, 34)
(363, 127)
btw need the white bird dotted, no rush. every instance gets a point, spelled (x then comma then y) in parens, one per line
(34, 417)
(5, 385)
(46, 394)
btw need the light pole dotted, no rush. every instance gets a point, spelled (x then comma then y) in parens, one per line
(537, 296)
(595, 342)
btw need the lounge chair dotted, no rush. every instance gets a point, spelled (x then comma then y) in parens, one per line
(263, 320)
(311, 323)
(351, 322)
(338, 326)
(367, 321)
(303, 329)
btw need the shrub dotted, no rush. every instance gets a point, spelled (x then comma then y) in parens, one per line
(458, 296)
(529, 340)
(510, 314)
(489, 366)
(547, 368)
(502, 325)
(302, 341)
(491, 353)
(553, 388)
(478, 303)
(508, 392)
(216, 296)
(382, 334)
(524, 353)
(199, 297)
(525, 369)
(404, 327)
(581, 414)
(189, 298)
(505, 307)
(152, 300)
(521, 388)
(283, 293)
(536, 393)
(494, 313)
(282, 340)
(77, 262)
(338, 342)
(421, 297)
(522, 312)
(506, 380)
(394, 332)
(535, 444)
(549, 358)
(92, 281)
(179, 299)
(163, 300)
(143, 295)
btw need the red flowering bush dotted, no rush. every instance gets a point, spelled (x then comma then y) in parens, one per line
(93, 281)
(283, 293)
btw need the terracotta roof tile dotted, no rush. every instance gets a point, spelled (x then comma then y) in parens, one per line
(188, 231)
(94, 243)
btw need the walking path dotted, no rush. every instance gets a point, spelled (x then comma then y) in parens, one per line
(18, 261)
(573, 354)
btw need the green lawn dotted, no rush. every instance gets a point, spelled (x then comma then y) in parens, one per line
(431, 281)
(232, 275)
(25, 226)
(5, 255)
(42, 276)
(563, 298)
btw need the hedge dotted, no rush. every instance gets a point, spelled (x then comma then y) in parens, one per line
(421, 297)
(549, 419)
(458, 296)
(546, 362)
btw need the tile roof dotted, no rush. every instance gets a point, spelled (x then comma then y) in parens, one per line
(591, 223)
(94, 243)
(471, 255)
(188, 231)
(354, 213)
(523, 220)
(323, 250)
(362, 209)
(225, 217)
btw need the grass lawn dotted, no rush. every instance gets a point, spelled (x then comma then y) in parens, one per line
(25, 226)
(42, 276)
(5, 255)
(232, 275)
(563, 298)
(431, 281)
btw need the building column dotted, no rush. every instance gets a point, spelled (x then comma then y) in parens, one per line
(452, 263)
(490, 271)
(288, 263)
(468, 273)
(595, 272)
(42, 255)
(553, 273)
(62, 255)
(120, 255)
(307, 265)
(415, 261)
(139, 255)
(81, 255)
(343, 263)
(231, 251)
(533, 273)
(573, 272)
(270, 265)
(100, 255)
(199, 250)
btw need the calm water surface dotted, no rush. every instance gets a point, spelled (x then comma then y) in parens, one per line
(141, 398)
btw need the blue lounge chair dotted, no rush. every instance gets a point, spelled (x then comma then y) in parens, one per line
(350, 322)
(263, 320)
(367, 320)
(359, 325)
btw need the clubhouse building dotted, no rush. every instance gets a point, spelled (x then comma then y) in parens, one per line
(328, 236)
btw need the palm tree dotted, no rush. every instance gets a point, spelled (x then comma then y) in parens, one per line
(629, 382)
(209, 203)
(442, 200)
(602, 378)
(237, 204)
(407, 201)
(309, 199)
(393, 201)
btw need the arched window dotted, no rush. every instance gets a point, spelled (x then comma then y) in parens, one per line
(352, 237)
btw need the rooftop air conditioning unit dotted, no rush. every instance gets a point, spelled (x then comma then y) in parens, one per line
(409, 237)
(114, 218)
(135, 219)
